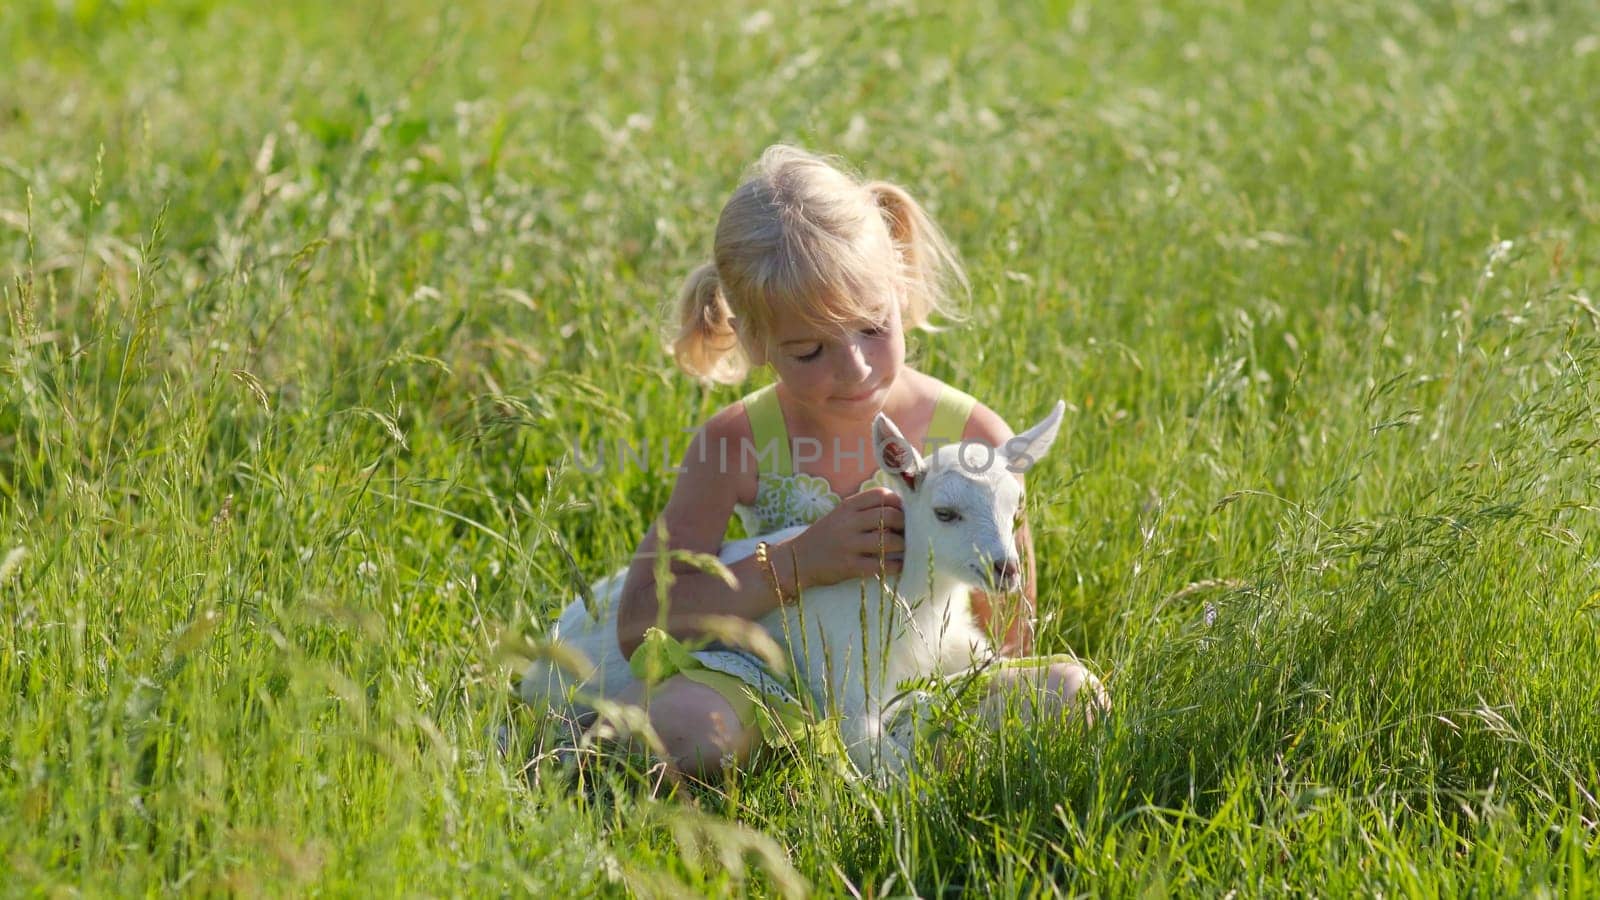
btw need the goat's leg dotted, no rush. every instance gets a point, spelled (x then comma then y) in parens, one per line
(882, 745)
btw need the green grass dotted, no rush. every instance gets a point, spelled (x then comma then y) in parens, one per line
(304, 308)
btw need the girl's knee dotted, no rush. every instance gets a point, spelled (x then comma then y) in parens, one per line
(1077, 689)
(1059, 690)
(700, 731)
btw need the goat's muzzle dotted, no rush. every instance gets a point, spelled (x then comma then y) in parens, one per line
(1008, 575)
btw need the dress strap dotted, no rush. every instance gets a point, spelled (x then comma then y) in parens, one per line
(951, 410)
(950, 413)
(767, 430)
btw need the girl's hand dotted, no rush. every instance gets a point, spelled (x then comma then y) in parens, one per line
(849, 541)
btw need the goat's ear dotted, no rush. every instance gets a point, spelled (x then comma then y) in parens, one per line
(895, 454)
(1030, 446)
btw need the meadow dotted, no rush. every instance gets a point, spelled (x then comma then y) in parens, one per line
(307, 306)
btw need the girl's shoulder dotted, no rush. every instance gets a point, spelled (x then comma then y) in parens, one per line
(982, 423)
(723, 438)
(729, 421)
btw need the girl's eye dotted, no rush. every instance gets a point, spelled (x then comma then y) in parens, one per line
(810, 356)
(874, 331)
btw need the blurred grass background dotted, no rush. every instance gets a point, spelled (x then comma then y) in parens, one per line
(306, 305)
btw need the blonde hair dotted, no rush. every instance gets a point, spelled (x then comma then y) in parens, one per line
(802, 235)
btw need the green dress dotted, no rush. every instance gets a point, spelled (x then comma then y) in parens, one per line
(786, 496)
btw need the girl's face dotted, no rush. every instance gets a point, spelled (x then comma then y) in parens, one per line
(843, 377)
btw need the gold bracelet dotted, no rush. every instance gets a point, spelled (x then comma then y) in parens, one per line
(770, 572)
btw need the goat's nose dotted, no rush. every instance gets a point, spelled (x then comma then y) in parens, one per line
(1008, 573)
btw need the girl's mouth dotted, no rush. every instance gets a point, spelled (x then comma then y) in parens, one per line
(864, 395)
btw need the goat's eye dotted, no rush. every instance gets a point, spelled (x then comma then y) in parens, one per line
(946, 514)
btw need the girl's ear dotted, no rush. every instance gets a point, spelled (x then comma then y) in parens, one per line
(1030, 446)
(895, 454)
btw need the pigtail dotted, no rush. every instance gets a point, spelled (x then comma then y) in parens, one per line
(931, 274)
(707, 343)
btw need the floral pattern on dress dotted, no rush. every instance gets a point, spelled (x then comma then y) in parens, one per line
(798, 499)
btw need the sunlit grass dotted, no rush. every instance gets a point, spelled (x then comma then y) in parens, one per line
(304, 307)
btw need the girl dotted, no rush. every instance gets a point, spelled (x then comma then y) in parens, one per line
(817, 275)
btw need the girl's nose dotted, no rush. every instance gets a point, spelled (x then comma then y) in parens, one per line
(855, 362)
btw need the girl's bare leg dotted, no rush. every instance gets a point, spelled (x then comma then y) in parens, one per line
(701, 731)
(1043, 693)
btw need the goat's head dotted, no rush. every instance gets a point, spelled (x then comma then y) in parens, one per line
(963, 502)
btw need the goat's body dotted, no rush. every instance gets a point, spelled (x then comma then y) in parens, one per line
(854, 643)
(851, 645)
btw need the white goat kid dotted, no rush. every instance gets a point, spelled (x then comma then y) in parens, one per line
(853, 643)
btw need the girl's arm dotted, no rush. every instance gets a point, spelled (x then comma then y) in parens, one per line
(845, 543)
(1008, 620)
(696, 518)
(1009, 623)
